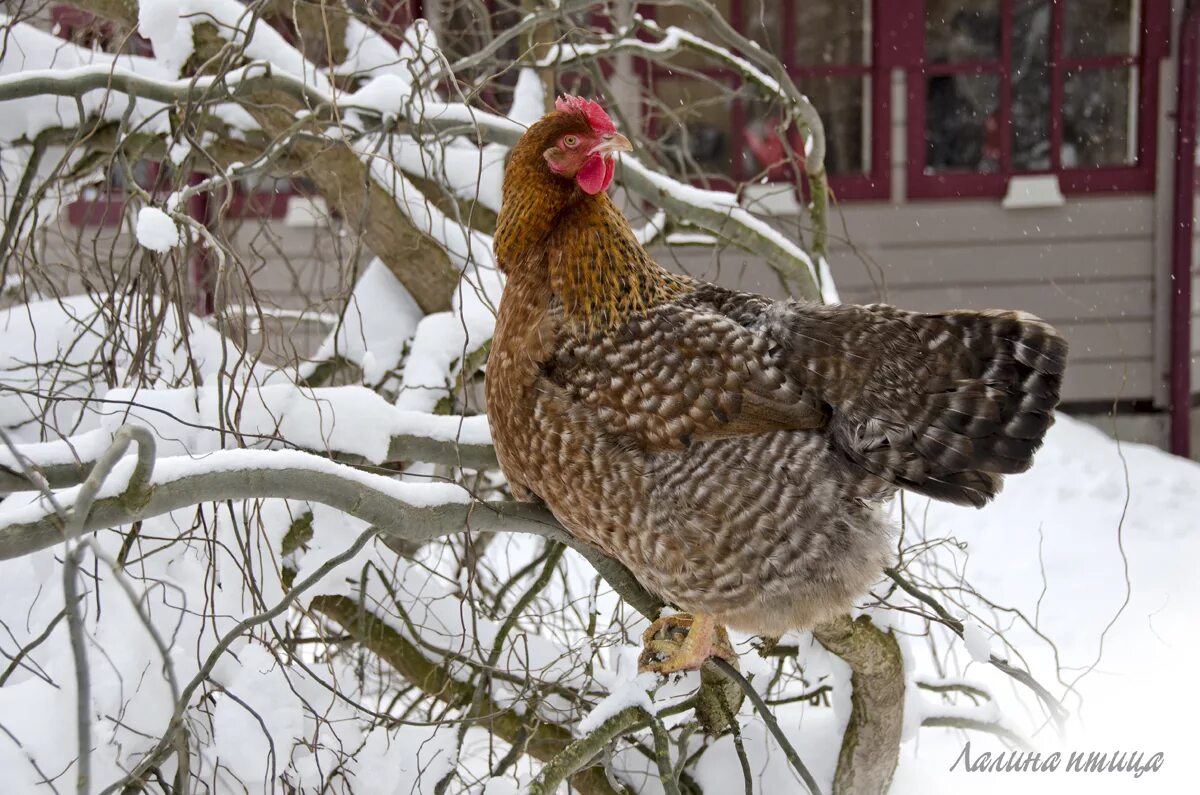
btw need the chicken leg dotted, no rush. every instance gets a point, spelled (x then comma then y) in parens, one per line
(683, 642)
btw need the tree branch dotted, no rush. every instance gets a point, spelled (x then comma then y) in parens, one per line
(871, 743)
(543, 741)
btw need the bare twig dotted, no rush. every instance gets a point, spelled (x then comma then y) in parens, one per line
(772, 723)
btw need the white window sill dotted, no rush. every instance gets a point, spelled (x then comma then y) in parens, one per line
(1033, 191)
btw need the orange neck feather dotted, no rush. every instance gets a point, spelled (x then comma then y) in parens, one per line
(549, 230)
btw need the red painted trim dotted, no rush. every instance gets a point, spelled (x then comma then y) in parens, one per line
(1098, 61)
(960, 67)
(835, 70)
(107, 209)
(1108, 179)
(200, 209)
(1005, 108)
(1182, 237)
(394, 16)
(899, 32)
(1057, 86)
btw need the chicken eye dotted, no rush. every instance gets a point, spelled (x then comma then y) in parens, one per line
(570, 141)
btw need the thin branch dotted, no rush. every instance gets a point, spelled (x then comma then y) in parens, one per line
(972, 724)
(662, 756)
(169, 737)
(772, 724)
(1057, 711)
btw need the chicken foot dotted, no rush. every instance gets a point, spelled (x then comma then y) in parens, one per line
(682, 642)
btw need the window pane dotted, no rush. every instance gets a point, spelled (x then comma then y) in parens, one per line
(1031, 85)
(691, 121)
(764, 23)
(833, 33)
(683, 17)
(1099, 117)
(962, 30)
(1100, 27)
(962, 123)
(771, 153)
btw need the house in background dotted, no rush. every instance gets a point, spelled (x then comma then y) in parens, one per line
(1032, 154)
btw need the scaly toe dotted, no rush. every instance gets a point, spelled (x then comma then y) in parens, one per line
(677, 643)
(674, 628)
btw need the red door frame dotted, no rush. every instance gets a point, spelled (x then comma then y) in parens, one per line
(1182, 239)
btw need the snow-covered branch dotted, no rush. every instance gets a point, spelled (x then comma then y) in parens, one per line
(412, 512)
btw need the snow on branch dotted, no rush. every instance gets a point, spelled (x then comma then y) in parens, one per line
(346, 421)
(410, 511)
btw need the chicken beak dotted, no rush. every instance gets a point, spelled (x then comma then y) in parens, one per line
(610, 144)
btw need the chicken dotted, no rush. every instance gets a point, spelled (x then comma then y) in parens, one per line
(732, 451)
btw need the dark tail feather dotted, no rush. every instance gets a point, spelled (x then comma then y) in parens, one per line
(996, 378)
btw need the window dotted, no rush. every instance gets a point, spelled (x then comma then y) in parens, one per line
(1012, 87)
(726, 132)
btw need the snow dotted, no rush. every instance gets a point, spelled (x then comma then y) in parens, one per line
(1051, 546)
(24, 508)
(647, 233)
(32, 54)
(160, 22)
(634, 692)
(347, 419)
(156, 231)
(721, 202)
(386, 94)
(529, 97)
(829, 291)
(369, 54)
(84, 447)
(977, 641)
(269, 701)
(48, 343)
(691, 239)
(374, 331)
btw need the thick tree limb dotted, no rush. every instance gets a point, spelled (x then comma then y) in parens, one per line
(403, 448)
(288, 474)
(871, 743)
(541, 740)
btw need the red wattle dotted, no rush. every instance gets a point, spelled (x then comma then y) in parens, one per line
(594, 175)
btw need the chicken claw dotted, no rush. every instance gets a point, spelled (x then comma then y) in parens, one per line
(683, 642)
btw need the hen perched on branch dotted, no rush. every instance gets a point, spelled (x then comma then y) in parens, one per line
(731, 450)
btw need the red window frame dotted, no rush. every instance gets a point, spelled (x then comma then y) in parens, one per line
(874, 184)
(1136, 178)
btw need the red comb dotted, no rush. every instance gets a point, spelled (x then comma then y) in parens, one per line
(590, 110)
